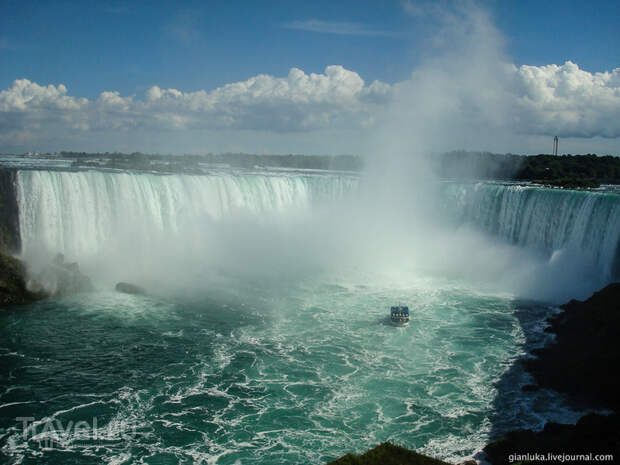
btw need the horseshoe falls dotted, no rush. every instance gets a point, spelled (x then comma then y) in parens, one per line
(577, 230)
(264, 336)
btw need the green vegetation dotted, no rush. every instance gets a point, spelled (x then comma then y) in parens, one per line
(387, 454)
(570, 183)
(571, 171)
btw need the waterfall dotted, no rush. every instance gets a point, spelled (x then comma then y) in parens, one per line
(77, 212)
(550, 220)
(81, 213)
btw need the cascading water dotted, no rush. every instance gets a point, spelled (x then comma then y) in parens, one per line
(76, 213)
(550, 220)
(83, 214)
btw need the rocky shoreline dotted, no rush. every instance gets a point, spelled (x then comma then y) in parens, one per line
(387, 454)
(582, 363)
(581, 360)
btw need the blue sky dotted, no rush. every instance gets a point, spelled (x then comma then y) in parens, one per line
(92, 47)
(96, 46)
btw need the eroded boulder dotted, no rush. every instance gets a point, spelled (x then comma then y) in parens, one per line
(129, 288)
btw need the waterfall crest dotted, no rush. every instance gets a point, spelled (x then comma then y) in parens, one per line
(546, 219)
(89, 213)
(76, 212)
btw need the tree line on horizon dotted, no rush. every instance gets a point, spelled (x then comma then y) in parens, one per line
(589, 170)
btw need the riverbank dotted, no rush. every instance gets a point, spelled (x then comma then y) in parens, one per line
(387, 454)
(581, 363)
(583, 360)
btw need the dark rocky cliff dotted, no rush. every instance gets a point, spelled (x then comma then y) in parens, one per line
(13, 289)
(581, 363)
(583, 360)
(9, 213)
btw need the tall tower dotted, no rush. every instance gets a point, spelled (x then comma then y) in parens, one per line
(555, 145)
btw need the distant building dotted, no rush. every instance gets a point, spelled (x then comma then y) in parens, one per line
(555, 145)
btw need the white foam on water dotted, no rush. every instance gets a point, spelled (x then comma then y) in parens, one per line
(305, 369)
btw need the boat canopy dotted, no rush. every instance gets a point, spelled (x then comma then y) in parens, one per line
(400, 309)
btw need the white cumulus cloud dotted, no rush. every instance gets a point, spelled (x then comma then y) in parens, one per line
(531, 100)
(297, 102)
(568, 101)
(29, 96)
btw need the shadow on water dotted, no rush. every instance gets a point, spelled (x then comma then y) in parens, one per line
(387, 321)
(519, 402)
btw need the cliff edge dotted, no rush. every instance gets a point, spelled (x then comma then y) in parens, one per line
(13, 289)
(9, 212)
(582, 362)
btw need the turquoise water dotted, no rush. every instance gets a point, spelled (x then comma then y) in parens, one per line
(265, 338)
(248, 373)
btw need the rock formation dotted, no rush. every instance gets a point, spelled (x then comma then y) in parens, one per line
(582, 363)
(13, 288)
(9, 213)
(60, 278)
(128, 288)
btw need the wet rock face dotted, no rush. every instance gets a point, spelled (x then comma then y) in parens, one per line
(18, 286)
(13, 288)
(593, 434)
(387, 454)
(582, 361)
(9, 213)
(128, 288)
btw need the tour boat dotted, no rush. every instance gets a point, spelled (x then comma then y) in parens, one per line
(400, 315)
